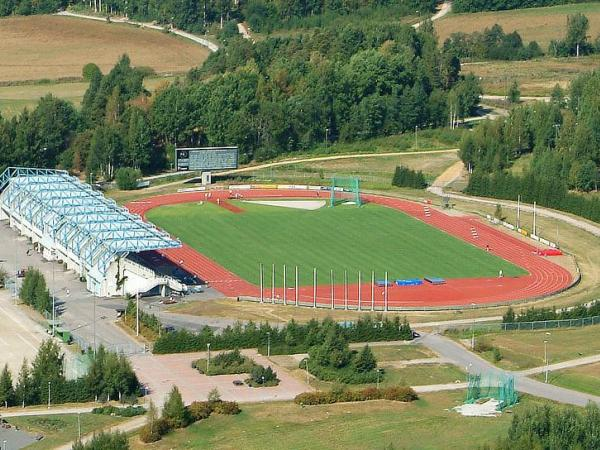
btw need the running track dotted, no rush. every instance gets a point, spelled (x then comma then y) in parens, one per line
(544, 278)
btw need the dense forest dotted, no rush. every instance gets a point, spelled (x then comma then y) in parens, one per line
(498, 5)
(277, 96)
(198, 16)
(563, 141)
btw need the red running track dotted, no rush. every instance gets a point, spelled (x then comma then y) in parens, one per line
(544, 277)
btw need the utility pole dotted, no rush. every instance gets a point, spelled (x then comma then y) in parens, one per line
(137, 314)
(261, 275)
(53, 296)
(314, 287)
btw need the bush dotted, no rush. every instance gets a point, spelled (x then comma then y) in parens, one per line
(395, 393)
(405, 177)
(496, 354)
(225, 363)
(127, 178)
(226, 408)
(261, 376)
(482, 346)
(174, 411)
(113, 441)
(153, 432)
(200, 410)
(129, 411)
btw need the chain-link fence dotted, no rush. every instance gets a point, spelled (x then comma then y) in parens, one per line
(550, 324)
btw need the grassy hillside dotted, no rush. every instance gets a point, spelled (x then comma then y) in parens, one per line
(52, 47)
(539, 24)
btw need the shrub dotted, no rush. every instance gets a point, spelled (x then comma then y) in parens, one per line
(405, 177)
(496, 354)
(200, 410)
(152, 432)
(395, 393)
(127, 178)
(482, 345)
(261, 376)
(225, 363)
(129, 411)
(227, 408)
(174, 410)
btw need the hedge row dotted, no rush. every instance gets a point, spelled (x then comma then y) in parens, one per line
(129, 411)
(395, 393)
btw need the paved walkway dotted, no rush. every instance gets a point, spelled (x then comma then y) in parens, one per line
(462, 357)
(124, 427)
(562, 365)
(445, 8)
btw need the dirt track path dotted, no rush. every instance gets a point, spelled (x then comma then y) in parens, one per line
(445, 8)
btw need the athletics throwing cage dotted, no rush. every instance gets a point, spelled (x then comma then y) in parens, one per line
(341, 187)
(492, 386)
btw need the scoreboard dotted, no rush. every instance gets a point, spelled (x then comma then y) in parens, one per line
(206, 158)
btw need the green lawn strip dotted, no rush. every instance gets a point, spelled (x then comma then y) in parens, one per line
(342, 238)
(62, 428)
(583, 378)
(401, 352)
(525, 349)
(427, 423)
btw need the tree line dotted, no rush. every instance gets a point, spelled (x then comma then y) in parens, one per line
(563, 139)
(292, 338)
(553, 427)
(533, 314)
(498, 5)
(492, 43)
(405, 177)
(110, 377)
(280, 95)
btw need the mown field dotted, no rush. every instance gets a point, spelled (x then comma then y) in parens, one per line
(536, 77)
(60, 429)
(425, 424)
(342, 238)
(525, 349)
(583, 378)
(533, 24)
(52, 47)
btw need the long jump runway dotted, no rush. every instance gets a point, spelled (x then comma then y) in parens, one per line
(544, 277)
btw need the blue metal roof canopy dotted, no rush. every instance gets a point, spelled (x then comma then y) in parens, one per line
(68, 213)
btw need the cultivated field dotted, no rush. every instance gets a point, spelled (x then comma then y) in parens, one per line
(342, 238)
(536, 77)
(539, 24)
(51, 47)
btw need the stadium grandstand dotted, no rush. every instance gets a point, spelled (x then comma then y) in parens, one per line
(69, 222)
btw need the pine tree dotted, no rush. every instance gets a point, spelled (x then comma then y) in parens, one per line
(24, 391)
(365, 361)
(174, 410)
(7, 392)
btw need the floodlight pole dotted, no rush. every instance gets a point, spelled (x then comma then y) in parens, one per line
(268, 343)
(261, 276)
(49, 394)
(314, 287)
(137, 314)
(207, 356)
(473, 329)
(296, 285)
(332, 289)
(273, 284)
(546, 356)
(534, 219)
(518, 211)
(359, 288)
(372, 290)
(345, 289)
(53, 298)
(385, 292)
(284, 285)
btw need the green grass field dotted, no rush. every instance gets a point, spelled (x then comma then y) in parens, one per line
(62, 428)
(342, 238)
(428, 423)
(583, 378)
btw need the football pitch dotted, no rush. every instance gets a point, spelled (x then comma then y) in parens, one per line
(344, 238)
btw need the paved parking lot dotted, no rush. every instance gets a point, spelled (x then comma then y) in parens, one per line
(20, 336)
(161, 372)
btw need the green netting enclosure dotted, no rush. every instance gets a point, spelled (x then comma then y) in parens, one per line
(497, 386)
(341, 187)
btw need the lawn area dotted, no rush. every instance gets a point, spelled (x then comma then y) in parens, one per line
(525, 349)
(401, 352)
(424, 424)
(342, 238)
(583, 378)
(60, 429)
(53, 47)
(536, 77)
(374, 172)
(539, 24)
